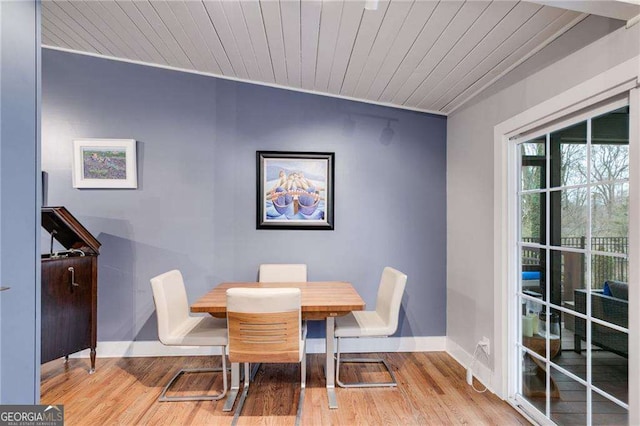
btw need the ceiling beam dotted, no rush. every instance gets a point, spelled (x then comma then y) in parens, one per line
(625, 10)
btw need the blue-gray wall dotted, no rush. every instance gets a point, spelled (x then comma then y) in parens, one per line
(195, 205)
(19, 202)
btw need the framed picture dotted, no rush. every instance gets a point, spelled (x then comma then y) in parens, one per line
(295, 190)
(104, 163)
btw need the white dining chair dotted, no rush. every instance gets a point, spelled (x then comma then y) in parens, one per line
(177, 328)
(265, 326)
(382, 322)
(282, 272)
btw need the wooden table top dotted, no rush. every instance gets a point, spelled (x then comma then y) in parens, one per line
(319, 299)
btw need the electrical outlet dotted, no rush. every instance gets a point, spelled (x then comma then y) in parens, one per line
(485, 344)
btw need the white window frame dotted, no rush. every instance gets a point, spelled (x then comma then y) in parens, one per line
(620, 80)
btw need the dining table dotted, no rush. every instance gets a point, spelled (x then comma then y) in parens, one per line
(320, 300)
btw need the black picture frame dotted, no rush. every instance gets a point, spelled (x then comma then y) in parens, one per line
(295, 190)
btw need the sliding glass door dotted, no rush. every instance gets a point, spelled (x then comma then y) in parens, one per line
(571, 344)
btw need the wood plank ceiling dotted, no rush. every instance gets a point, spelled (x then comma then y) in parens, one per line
(430, 56)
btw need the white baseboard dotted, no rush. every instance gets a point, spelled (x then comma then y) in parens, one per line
(124, 349)
(480, 371)
(153, 348)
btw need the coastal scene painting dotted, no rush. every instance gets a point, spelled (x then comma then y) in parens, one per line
(295, 190)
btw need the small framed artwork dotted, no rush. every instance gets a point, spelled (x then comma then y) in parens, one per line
(104, 163)
(295, 190)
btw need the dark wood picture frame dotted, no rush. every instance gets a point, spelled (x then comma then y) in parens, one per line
(295, 190)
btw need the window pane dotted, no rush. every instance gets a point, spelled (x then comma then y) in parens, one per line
(609, 162)
(569, 210)
(567, 274)
(610, 146)
(532, 272)
(533, 148)
(610, 217)
(532, 177)
(532, 217)
(533, 164)
(569, 147)
(532, 266)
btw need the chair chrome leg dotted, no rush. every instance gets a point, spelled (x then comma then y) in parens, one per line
(235, 387)
(303, 382)
(300, 404)
(164, 398)
(254, 370)
(245, 390)
(392, 383)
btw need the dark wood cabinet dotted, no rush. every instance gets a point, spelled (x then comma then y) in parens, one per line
(69, 288)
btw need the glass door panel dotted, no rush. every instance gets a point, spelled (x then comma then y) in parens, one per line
(573, 200)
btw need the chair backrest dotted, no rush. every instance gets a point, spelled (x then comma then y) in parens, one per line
(390, 291)
(264, 324)
(170, 298)
(283, 272)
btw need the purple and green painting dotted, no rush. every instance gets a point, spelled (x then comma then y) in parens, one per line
(104, 163)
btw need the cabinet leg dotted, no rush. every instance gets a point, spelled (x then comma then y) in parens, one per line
(92, 355)
(66, 359)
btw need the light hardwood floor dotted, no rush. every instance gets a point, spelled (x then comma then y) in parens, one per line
(124, 391)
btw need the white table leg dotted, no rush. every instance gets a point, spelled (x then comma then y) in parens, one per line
(330, 376)
(235, 387)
